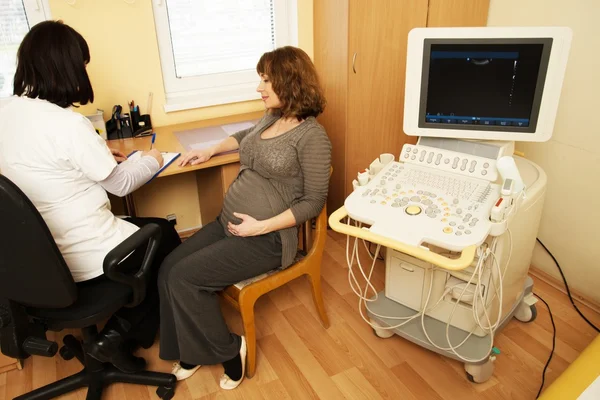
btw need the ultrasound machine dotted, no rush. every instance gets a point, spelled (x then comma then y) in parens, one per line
(457, 214)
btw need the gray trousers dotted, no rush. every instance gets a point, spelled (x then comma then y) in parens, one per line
(192, 328)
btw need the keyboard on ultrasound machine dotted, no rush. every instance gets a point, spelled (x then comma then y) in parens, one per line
(415, 204)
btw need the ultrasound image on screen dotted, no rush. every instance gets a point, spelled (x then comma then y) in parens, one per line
(482, 84)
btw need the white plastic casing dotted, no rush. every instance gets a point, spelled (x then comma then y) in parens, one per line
(557, 63)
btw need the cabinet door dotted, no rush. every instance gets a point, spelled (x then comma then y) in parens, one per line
(378, 33)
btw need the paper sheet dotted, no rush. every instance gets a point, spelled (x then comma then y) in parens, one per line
(233, 128)
(202, 138)
(204, 145)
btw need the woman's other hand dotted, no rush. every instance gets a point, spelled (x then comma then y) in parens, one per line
(119, 157)
(196, 157)
(248, 227)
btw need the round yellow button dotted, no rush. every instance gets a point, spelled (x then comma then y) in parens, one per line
(413, 210)
(447, 230)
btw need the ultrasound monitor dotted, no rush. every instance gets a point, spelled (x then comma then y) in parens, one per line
(485, 83)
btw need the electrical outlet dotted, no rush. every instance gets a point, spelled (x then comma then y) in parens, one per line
(172, 218)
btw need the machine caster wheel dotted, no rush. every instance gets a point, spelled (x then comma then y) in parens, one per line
(380, 332)
(479, 373)
(65, 353)
(526, 313)
(165, 392)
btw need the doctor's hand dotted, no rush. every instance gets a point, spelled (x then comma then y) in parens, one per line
(156, 154)
(119, 157)
(196, 157)
(248, 227)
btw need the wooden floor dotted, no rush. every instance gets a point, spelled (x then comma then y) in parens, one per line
(299, 359)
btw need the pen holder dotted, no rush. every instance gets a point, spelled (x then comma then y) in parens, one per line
(145, 119)
(135, 119)
(143, 126)
(125, 123)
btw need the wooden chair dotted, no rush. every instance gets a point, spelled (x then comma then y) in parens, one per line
(243, 295)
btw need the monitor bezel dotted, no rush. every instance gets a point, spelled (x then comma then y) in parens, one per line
(556, 41)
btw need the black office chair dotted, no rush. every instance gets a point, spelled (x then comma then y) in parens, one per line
(37, 293)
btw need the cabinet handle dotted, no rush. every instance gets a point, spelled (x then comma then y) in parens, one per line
(353, 61)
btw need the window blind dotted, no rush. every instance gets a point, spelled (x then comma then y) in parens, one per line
(214, 37)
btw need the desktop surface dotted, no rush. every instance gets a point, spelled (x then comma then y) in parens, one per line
(166, 140)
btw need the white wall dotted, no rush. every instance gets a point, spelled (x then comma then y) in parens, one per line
(570, 225)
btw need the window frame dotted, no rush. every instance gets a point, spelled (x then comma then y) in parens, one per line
(36, 11)
(215, 89)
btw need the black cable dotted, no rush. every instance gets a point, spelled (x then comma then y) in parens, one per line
(567, 287)
(553, 344)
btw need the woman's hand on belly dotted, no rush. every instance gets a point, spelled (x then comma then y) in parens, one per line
(248, 227)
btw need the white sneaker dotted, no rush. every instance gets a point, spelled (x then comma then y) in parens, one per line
(182, 373)
(226, 382)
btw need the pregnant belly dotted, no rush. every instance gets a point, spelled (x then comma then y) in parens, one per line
(253, 195)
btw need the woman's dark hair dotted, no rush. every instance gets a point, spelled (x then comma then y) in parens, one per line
(51, 65)
(295, 81)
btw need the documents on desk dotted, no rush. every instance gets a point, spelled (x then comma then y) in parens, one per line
(168, 158)
(202, 138)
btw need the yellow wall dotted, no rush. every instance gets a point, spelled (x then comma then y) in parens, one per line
(125, 62)
(571, 220)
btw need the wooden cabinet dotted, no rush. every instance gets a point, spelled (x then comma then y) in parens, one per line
(360, 55)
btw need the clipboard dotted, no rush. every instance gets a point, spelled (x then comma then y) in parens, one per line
(167, 156)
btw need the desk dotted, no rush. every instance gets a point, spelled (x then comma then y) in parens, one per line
(193, 193)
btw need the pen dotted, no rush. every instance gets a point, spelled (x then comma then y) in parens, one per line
(153, 138)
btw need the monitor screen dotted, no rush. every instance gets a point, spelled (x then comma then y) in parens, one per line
(479, 84)
(484, 83)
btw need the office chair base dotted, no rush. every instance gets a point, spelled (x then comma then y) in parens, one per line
(96, 381)
(96, 376)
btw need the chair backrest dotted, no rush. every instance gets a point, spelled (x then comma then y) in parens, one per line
(32, 270)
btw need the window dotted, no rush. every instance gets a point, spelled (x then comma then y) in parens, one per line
(209, 49)
(16, 18)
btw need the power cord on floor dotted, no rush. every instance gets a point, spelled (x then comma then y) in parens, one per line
(567, 287)
(553, 345)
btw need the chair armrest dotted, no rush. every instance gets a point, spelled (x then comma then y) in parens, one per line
(150, 234)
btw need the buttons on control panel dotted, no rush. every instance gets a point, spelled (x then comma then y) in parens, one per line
(464, 164)
(473, 164)
(455, 162)
(413, 210)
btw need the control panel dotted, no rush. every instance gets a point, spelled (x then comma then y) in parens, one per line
(451, 161)
(416, 204)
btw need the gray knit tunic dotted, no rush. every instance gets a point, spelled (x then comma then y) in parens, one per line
(288, 171)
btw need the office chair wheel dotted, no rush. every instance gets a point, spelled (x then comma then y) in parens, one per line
(66, 353)
(165, 392)
(526, 313)
(380, 332)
